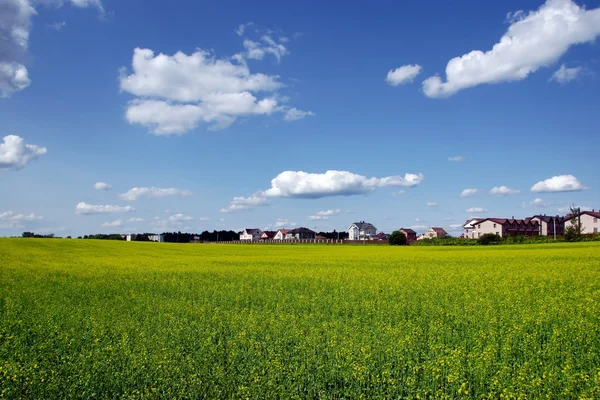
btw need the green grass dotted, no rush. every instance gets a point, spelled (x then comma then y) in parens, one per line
(95, 319)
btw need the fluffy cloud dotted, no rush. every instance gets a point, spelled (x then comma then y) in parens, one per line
(174, 221)
(89, 3)
(15, 154)
(113, 224)
(533, 40)
(102, 186)
(245, 203)
(175, 93)
(135, 220)
(138, 192)
(294, 114)
(469, 192)
(333, 183)
(242, 28)
(57, 26)
(477, 210)
(456, 158)
(565, 75)
(402, 75)
(503, 191)
(431, 204)
(9, 219)
(85, 208)
(560, 183)
(538, 202)
(324, 215)
(267, 45)
(284, 222)
(15, 23)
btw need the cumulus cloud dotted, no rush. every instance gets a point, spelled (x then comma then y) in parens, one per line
(16, 154)
(538, 202)
(324, 215)
(10, 219)
(102, 186)
(431, 204)
(398, 193)
(503, 191)
(15, 24)
(242, 28)
(456, 158)
(85, 208)
(174, 221)
(559, 183)
(135, 220)
(245, 203)
(534, 39)
(113, 224)
(402, 75)
(294, 114)
(57, 26)
(284, 222)
(333, 183)
(176, 93)
(565, 75)
(476, 210)
(89, 3)
(469, 192)
(151, 192)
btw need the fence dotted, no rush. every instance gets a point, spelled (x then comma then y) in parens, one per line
(312, 241)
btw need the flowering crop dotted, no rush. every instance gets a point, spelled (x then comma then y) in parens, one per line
(98, 319)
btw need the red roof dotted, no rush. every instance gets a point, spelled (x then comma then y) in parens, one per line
(408, 231)
(284, 231)
(438, 230)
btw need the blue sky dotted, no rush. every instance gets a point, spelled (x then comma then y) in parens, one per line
(229, 114)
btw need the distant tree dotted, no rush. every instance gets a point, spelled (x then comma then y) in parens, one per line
(28, 234)
(574, 231)
(397, 238)
(68, 237)
(490, 238)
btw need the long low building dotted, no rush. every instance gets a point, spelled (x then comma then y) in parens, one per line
(589, 221)
(504, 227)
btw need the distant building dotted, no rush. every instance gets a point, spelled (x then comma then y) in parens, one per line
(549, 225)
(421, 236)
(251, 234)
(281, 234)
(381, 236)
(589, 221)
(435, 233)
(156, 238)
(504, 227)
(469, 228)
(300, 234)
(361, 231)
(268, 235)
(411, 236)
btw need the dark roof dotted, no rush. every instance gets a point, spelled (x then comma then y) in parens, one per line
(548, 218)
(284, 231)
(252, 230)
(301, 230)
(502, 221)
(364, 225)
(593, 213)
(269, 234)
(408, 230)
(439, 230)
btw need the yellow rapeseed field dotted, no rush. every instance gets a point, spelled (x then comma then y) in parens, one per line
(97, 319)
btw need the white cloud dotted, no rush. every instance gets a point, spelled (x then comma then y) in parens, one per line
(180, 217)
(456, 226)
(398, 193)
(85, 208)
(503, 191)
(135, 220)
(418, 227)
(113, 224)
(318, 217)
(333, 183)
(565, 75)
(469, 192)
(538, 202)
(284, 222)
(245, 203)
(174, 221)
(431, 204)
(242, 28)
(402, 75)
(9, 219)
(89, 3)
(15, 24)
(533, 40)
(57, 26)
(559, 183)
(102, 186)
(175, 93)
(294, 114)
(138, 192)
(476, 210)
(15, 154)
(324, 215)
(203, 219)
(456, 158)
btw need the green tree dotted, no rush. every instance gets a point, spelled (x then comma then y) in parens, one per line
(490, 238)
(397, 238)
(574, 231)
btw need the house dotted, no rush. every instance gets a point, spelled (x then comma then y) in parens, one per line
(301, 234)
(251, 234)
(589, 221)
(281, 234)
(421, 236)
(469, 229)
(361, 231)
(268, 235)
(550, 226)
(506, 227)
(156, 238)
(381, 236)
(411, 236)
(435, 233)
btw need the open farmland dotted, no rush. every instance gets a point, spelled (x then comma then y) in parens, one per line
(98, 319)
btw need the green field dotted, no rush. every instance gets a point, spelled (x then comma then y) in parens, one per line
(98, 319)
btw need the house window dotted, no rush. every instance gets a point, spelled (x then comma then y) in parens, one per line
(478, 234)
(494, 225)
(498, 233)
(595, 220)
(595, 230)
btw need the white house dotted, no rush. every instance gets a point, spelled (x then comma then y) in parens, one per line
(361, 231)
(435, 233)
(589, 221)
(251, 234)
(281, 234)
(469, 228)
(156, 238)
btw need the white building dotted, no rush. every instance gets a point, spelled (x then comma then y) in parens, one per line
(361, 231)
(435, 233)
(156, 238)
(281, 234)
(251, 234)
(589, 221)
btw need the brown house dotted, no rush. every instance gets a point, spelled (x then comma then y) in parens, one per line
(506, 227)
(411, 236)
